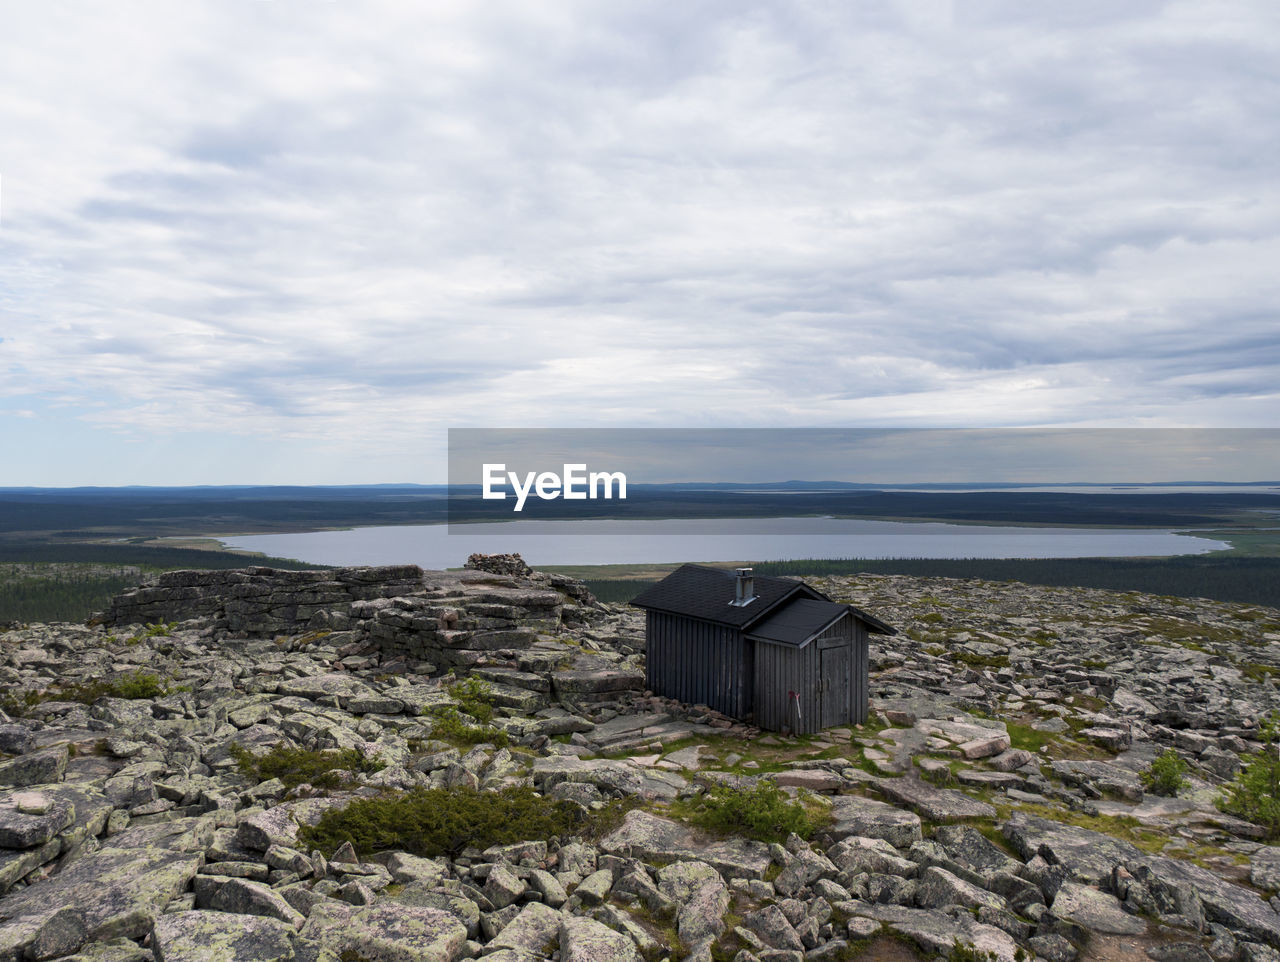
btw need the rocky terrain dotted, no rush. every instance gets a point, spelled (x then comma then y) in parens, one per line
(994, 809)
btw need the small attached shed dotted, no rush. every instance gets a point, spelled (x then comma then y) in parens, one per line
(772, 651)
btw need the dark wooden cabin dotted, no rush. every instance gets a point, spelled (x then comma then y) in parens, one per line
(772, 651)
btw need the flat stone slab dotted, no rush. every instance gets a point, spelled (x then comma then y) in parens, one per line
(388, 933)
(869, 818)
(608, 775)
(44, 767)
(179, 835)
(536, 927)
(113, 893)
(647, 836)
(1096, 911)
(600, 680)
(997, 780)
(935, 804)
(220, 937)
(815, 780)
(15, 864)
(1087, 856)
(1232, 905)
(1264, 868)
(337, 684)
(26, 823)
(936, 932)
(585, 940)
(1104, 777)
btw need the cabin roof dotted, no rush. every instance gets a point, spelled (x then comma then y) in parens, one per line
(783, 609)
(698, 591)
(798, 622)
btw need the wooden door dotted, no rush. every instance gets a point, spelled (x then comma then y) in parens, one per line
(834, 688)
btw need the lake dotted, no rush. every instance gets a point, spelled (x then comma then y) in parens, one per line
(753, 539)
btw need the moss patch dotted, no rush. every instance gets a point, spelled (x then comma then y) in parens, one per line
(437, 821)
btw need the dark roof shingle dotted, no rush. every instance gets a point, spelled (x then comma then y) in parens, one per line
(701, 592)
(783, 607)
(797, 621)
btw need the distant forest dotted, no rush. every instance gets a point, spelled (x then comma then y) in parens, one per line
(69, 582)
(1245, 580)
(81, 514)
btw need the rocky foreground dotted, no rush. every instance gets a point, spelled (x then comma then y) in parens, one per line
(995, 807)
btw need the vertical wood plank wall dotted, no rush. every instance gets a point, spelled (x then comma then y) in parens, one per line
(780, 670)
(699, 663)
(861, 673)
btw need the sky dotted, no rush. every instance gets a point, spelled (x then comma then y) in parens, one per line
(297, 241)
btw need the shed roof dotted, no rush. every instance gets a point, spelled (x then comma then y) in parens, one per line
(783, 607)
(702, 592)
(798, 621)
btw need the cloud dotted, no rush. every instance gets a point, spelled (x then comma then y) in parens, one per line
(356, 224)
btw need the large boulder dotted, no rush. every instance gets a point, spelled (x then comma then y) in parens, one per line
(220, 937)
(868, 818)
(702, 897)
(585, 940)
(1094, 910)
(387, 932)
(935, 804)
(1085, 855)
(1238, 908)
(110, 894)
(650, 837)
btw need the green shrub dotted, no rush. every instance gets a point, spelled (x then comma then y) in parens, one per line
(17, 705)
(450, 726)
(439, 821)
(135, 684)
(968, 952)
(1255, 793)
(764, 812)
(139, 684)
(1165, 775)
(299, 766)
(974, 660)
(474, 698)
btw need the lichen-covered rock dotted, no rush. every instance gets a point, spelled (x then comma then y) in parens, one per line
(1085, 855)
(220, 937)
(702, 897)
(1094, 910)
(855, 855)
(1264, 869)
(111, 893)
(937, 932)
(36, 768)
(939, 888)
(502, 887)
(773, 929)
(643, 835)
(240, 896)
(25, 823)
(868, 818)
(534, 929)
(584, 940)
(935, 804)
(387, 932)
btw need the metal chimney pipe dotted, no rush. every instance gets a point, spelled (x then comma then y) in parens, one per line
(745, 592)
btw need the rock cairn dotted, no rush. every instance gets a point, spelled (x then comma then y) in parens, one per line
(499, 564)
(996, 804)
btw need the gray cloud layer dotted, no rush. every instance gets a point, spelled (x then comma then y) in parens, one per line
(358, 221)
